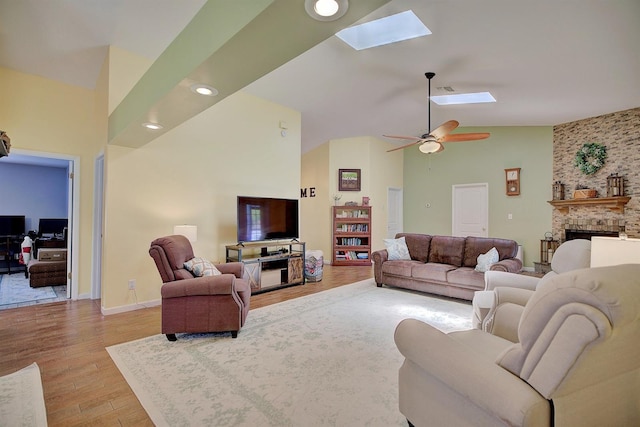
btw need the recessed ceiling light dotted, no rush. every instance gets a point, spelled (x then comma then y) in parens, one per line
(326, 10)
(463, 98)
(390, 29)
(203, 89)
(152, 126)
(326, 7)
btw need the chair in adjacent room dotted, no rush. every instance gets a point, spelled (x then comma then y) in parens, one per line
(576, 362)
(210, 303)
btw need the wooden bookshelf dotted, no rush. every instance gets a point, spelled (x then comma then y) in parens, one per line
(351, 235)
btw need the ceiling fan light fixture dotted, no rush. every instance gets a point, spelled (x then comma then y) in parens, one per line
(429, 146)
(326, 10)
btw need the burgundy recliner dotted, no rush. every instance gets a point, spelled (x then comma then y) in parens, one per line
(198, 304)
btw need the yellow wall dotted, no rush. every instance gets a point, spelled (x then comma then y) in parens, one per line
(44, 116)
(124, 71)
(192, 175)
(315, 212)
(379, 170)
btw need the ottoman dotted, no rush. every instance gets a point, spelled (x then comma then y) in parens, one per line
(47, 273)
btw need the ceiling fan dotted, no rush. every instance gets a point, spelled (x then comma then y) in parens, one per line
(432, 142)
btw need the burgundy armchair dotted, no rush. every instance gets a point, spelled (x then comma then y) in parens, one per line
(198, 304)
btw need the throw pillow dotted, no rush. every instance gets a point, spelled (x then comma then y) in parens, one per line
(201, 267)
(397, 249)
(485, 260)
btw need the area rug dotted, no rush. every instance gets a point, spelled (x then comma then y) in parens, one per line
(323, 359)
(22, 399)
(15, 289)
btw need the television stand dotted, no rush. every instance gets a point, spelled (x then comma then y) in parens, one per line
(269, 265)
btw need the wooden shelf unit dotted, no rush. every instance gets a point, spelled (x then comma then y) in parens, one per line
(615, 204)
(270, 265)
(351, 243)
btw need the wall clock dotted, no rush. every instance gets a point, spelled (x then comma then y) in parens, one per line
(513, 181)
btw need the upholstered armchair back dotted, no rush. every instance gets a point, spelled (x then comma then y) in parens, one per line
(572, 255)
(579, 334)
(170, 253)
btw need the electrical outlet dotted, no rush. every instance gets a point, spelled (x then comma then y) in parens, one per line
(132, 284)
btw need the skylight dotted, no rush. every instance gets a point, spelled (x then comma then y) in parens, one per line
(391, 29)
(463, 98)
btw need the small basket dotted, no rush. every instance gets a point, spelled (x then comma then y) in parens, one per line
(584, 194)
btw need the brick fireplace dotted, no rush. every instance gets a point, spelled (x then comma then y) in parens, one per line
(619, 133)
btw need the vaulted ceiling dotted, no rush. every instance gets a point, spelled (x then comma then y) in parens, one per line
(546, 62)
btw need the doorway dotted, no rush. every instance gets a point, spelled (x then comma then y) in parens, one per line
(72, 166)
(470, 210)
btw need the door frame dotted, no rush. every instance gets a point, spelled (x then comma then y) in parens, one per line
(73, 213)
(98, 222)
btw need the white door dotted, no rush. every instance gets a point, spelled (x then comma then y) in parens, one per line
(471, 210)
(394, 212)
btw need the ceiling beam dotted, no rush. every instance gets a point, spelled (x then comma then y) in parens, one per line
(228, 45)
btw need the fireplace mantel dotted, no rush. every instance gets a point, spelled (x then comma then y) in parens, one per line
(615, 204)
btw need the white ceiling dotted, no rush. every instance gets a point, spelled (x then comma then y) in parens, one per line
(546, 61)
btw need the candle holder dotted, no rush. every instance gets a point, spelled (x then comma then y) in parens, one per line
(558, 191)
(615, 185)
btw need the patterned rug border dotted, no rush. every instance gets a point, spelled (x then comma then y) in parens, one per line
(160, 388)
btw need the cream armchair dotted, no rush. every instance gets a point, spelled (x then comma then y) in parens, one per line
(577, 362)
(499, 307)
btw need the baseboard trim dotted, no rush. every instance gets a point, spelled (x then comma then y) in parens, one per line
(130, 307)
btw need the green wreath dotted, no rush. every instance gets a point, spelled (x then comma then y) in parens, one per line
(591, 157)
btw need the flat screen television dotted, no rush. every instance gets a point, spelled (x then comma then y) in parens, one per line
(262, 218)
(48, 226)
(12, 225)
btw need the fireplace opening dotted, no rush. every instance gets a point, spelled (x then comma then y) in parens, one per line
(587, 234)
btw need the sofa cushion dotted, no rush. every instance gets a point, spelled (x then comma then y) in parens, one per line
(432, 271)
(397, 249)
(418, 245)
(399, 268)
(466, 277)
(448, 250)
(475, 246)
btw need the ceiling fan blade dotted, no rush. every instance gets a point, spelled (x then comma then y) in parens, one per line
(461, 137)
(410, 138)
(405, 146)
(444, 129)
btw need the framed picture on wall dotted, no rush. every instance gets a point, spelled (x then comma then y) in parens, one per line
(348, 179)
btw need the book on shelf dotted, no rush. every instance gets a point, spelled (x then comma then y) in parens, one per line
(351, 255)
(353, 214)
(353, 228)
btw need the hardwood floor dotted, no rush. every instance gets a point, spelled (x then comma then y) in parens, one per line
(82, 386)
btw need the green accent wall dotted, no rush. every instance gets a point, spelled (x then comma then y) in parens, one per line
(428, 179)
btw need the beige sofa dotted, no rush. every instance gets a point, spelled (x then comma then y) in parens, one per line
(577, 362)
(444, 265)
